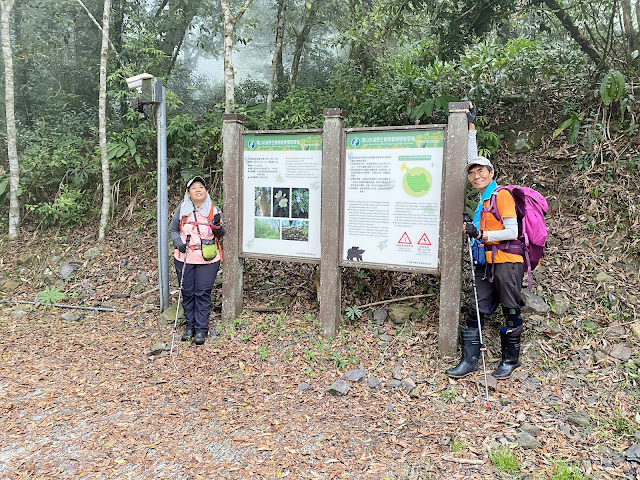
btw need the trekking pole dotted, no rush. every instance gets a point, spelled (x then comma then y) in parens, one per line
(175, 323)
(475, 296)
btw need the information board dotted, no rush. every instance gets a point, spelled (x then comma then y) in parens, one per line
(281, 194)
(392, 197)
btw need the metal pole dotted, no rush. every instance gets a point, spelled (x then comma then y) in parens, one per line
(163, 203)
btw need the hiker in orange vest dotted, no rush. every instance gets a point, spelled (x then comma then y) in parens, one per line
(195, 229)
(501, 282)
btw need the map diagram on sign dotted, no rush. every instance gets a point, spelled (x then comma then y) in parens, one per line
(416, 181)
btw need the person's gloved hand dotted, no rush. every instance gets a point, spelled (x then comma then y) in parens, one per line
(216, 219)
(471, 230)
(471, 115)
(182, 248)
(218, 230)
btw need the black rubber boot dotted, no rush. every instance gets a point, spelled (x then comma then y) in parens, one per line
(470, 339)
(199, 338)
(510, 340)
(188, 333)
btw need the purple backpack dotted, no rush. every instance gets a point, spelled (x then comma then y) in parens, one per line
(531, 208)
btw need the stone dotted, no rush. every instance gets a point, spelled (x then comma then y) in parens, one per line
(68, 268)
(492, 383)
(621, 352)
(602, 277)
(355, 375)
(385, 338)
(393, 383)
(26, 258)
(400, 314)
(533, 303)
(9, 286)
(92, 253)
(339, 388)
(579, 419)
(304, 386)
(379, 316)
(561, 304)
(531, 429)
(633, 453)
(142, 278)
(397, 372)
(18, 314)
(635, 328)
(527, 441)
(599, 356)
(373, 382)
(408, 384)
(159, 347)
(415, 393)
(71, 316)
(168, 317)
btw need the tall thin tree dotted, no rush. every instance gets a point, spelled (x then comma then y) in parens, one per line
(102, 122)
(229, 76)
(277, 54)
(9, 95)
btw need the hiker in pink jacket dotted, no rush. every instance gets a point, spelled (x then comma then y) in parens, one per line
(498, 272)
(195, 229)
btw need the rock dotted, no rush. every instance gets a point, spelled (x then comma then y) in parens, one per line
(397, 372)
(621, 352)
(579, 419)
(304, 386)
(385, 338)
(561, 304)
(408, 384)
(633, 453)
(531, 429)
(339, 388)
(599, 356)
(393, 383)
(415, 393)
(9, 286)
(159, 347)
(18, 314)
(168, 317)
(71, 316)
(534, 303)
(92, 253)
(26, 259)
(68, 268)
(527, 441)
(142, 278)
(635, 328)
(602, 277)
(492, 383)
(355, 375)
(400, 314)
(373, 382)
(379, 316)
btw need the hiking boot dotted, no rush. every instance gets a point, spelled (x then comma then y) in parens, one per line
(199, 338)
(470, 340)
(510, 340)
(188, 333)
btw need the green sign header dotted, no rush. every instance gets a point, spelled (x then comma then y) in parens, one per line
(398, 139)
(277, 143)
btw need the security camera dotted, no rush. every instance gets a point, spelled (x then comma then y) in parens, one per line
(135, 83)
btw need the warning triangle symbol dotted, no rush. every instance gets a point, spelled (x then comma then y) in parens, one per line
(424, 240)
(405, 239)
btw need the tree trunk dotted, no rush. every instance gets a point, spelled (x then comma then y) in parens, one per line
(277, 54)
(12, 148)
(627, 20)
(229, 76)
(102, 122)
(301, 38)
(568, 24)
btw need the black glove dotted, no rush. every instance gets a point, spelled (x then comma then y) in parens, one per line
(216, 219)
(218, 230)
(182, 248)
(471, 115)
(471, 230)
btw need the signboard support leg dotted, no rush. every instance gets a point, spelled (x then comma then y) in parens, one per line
(232, 127)
(329, 294)
(452, 238)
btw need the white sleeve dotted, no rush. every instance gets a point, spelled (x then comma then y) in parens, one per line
(510, 231)
(472, 145)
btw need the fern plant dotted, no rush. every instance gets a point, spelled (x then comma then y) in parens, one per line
(50, 295)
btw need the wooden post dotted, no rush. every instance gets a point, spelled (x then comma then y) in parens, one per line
(451, 239)
(330, 277)
(232, 127)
